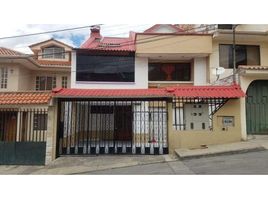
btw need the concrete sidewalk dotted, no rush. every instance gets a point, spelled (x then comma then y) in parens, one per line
(79, 165)
(254, 143)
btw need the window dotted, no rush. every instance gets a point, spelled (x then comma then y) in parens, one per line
(64, 81)
(225, 26)
(169, 71)
(105, 68)
(40, 122)
(45, 82)
(3, 77)
(53, 52)
(245, 55)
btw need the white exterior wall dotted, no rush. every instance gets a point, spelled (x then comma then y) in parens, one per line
(141, 77)
(200, 71)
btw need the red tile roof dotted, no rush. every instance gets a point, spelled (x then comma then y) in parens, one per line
(9, 52)
(20, 98)
(97, 42)
(233, 91)
(53, 63)
(111, 93)
(182, 91)
(253, 67)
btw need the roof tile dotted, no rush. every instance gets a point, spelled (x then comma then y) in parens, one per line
(14, 98)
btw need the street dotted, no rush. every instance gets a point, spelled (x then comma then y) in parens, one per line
(246, 163)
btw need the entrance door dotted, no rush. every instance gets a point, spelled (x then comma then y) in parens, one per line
(257, 107)
(123, 123)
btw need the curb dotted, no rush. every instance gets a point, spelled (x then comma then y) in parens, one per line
(241, 151)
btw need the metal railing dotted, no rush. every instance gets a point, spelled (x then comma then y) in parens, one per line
(23, 125)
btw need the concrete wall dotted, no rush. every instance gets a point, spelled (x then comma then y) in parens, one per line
(141, 78)
(194, 139)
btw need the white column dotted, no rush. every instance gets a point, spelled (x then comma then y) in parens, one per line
(200, 71)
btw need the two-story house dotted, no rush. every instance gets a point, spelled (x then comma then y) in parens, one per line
(251, 49)
(26, 82)
(149, 93)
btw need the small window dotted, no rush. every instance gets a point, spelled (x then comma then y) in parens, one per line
(53, 52)
(64, 81)
(3, 77)
(40, 122)
(45, 82)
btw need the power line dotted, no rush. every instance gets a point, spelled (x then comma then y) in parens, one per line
(47, 32)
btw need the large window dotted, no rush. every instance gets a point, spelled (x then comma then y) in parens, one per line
(169, 71)
(53, 52)
(45, 82)
(245, 55)
(105, 68)
(3, 77)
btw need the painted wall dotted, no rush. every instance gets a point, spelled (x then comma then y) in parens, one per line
(174, 44)
(141, 77)
(12, 77)
(194, 139)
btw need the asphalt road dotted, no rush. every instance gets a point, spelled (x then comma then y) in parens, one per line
(246, 163)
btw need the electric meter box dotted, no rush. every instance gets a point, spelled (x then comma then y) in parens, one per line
(196, 116)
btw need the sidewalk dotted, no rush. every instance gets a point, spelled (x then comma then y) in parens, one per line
(76, 165)
(254, 143)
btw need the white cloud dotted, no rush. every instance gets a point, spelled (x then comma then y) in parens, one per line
(21, 43)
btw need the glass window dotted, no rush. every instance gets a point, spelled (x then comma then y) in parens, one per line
(105, 68)
(245, 55)
(53, 52)
(40, 122)
(64, 81)
(3, 77)
(45, 82)
(169, 71)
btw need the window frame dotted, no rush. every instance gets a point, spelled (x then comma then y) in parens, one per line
(3, 77)
(53, 53)
(64, 82)
(188, 72)
(125, 76)
(40, 122)
(38, 83)
(241, 48)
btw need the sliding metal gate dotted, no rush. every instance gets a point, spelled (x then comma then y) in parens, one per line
(112, 127)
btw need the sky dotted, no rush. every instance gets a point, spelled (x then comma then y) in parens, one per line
(73, 38)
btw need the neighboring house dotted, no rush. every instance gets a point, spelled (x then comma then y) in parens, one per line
(26, 107)
(49, 67)
(251, 43)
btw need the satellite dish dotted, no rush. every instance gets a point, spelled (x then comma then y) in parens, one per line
(218, 71)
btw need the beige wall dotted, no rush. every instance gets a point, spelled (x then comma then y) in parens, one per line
(173, 44)
(252, 27)
(193, 139)
(13, 74)
(214, 57)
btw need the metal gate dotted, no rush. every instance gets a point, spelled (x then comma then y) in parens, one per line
(112, 127)
(23, 136)
(257, 107)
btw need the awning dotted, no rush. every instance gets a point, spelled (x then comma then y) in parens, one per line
(233, 91)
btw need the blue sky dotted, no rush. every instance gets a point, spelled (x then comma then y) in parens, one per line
(73, 38)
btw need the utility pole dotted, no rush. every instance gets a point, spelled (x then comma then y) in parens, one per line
(234, 53)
